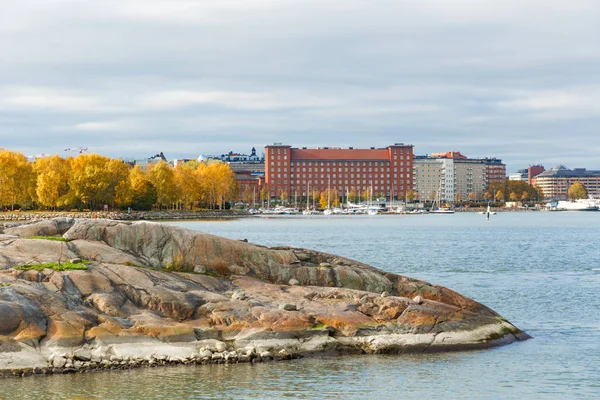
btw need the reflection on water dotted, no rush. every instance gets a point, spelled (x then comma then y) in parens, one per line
(540, 270)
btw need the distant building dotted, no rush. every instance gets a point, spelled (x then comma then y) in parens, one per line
(388, 171)
(520, 175)
(555, 182)
(144, 163)
(232, 157)
(532, 172)
(453, 176)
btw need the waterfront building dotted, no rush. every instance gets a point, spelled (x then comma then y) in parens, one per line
(289, 170)
(452, 176)
(532, 172)
(555, 182)
(433, 178)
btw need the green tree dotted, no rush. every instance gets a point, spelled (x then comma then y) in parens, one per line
(577, 191)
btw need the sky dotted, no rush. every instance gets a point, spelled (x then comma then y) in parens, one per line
(515, 80)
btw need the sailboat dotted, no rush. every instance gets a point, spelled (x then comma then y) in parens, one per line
(488, 212)
(308, 211)
(435, 208)
(328, 210)
(372, 210)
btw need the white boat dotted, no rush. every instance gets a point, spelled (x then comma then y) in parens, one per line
(435, 207)
(488, 212)
(572, 205)
(441, 210)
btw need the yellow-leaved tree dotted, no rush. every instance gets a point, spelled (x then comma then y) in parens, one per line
(141, 193)
(219, 184)
(188, 183)
(17, 180)
(52, 181)
(94, 179)
(577, 191)
(162, 177)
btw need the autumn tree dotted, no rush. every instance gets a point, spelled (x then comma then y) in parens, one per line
(16, 178)
(366, 195)
(264, 194)
(283, 196)
(248, 195)
(52, 181)
(577, 191)
(472, 196)
(410, 196)
(335, 198)
(139, 193)
(525, 196)
(323, 200)
(352, 195)
(513, 196)
(91, 182)
(188, 183)
(162, 177)
(499, 195)
(218, 184)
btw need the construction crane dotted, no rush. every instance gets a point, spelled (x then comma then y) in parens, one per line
(160, 155)
(77, 149)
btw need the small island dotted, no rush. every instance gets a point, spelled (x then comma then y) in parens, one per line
(82, 295)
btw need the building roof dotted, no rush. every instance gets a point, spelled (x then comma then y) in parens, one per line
(560, 171)
(449, 154)
(340, 154)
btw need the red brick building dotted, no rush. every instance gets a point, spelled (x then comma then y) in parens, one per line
(290, 170)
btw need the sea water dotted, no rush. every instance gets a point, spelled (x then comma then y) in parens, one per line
(540, 270)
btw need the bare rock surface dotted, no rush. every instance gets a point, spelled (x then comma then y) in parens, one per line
(134, 305)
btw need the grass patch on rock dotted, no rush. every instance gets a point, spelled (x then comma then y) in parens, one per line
(64, 266)
(55, 238)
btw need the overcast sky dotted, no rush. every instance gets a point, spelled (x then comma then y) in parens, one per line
(517, 80)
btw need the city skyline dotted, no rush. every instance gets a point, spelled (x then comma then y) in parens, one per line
(513, 80)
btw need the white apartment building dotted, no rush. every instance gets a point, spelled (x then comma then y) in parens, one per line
(451, 178)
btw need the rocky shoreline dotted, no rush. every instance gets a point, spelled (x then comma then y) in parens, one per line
(125, 216)
(152, 294)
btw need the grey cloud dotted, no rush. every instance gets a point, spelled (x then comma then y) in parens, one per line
(509, 79)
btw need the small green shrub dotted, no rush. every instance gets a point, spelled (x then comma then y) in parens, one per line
(65, 266)
(4, 284)
(56, 238)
